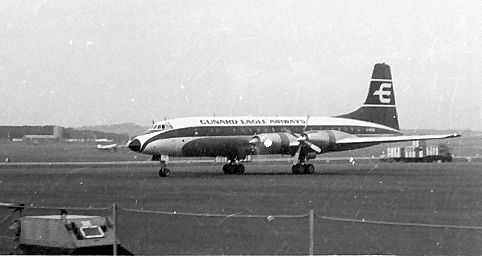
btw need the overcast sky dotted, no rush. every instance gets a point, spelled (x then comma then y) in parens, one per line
(75, 63)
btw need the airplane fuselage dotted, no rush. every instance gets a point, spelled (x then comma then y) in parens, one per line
(221, 136)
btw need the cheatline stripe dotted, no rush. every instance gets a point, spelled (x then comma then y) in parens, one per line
(376, 106)
(381, 80)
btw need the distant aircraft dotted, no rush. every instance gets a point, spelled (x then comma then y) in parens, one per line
(104, 140)
(104, 146)
(375, 122)
(112, 147)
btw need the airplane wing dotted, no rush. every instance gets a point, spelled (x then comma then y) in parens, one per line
(388, 139)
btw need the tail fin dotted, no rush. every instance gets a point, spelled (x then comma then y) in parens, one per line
(379, 106)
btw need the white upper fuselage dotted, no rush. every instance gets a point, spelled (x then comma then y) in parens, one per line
(185, 122)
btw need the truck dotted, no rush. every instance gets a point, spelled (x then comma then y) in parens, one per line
(418, 152)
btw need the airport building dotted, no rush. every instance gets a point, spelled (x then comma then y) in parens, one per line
(56, 136)
(54, 133)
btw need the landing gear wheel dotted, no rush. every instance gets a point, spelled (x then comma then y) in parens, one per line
(239, 169)
(229, 169)
(164, 172)
(296, 169)
(233, 169)
(308, 169)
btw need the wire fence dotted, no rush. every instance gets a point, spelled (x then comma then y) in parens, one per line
(170, 232)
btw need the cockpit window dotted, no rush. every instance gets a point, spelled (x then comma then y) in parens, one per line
(160, 127)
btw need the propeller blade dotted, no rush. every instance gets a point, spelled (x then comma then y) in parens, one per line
(254, 140)
(313, 146)
(306, 123)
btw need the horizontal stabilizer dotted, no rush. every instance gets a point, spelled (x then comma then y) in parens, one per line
(388, 139)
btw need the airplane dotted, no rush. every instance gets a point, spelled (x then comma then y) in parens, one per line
(375, 122)
(104, 146)
(104, 140)
(112, 147)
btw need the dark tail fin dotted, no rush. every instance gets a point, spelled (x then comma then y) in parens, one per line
(379, 106)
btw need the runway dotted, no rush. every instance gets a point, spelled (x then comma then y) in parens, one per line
(435, 194)
(202, 161)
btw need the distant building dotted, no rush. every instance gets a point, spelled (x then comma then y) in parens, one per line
(56, 136)
(52, 133)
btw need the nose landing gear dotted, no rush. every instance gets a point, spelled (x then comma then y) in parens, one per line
(164, 172)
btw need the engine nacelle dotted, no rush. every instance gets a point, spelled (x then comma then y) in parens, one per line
(325, 140)
(273, 143)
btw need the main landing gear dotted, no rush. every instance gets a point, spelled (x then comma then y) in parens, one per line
(300, 166)
(233, 168)
(164, 172)
(303, 169)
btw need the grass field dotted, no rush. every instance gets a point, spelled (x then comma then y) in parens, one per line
(447, 194)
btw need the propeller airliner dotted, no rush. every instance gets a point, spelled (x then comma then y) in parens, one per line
(375, 122)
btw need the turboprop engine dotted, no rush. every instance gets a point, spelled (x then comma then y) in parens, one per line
(288, 143)
(323, 140)
(273, 143)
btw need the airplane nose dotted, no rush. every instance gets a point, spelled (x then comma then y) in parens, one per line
(135, 145)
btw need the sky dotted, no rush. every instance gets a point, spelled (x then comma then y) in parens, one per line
(76, 63)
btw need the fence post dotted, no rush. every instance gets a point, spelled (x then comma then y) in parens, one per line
(114, 228)
(312, 224)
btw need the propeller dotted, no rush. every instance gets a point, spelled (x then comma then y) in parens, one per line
(303, 139)
(312, 146)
